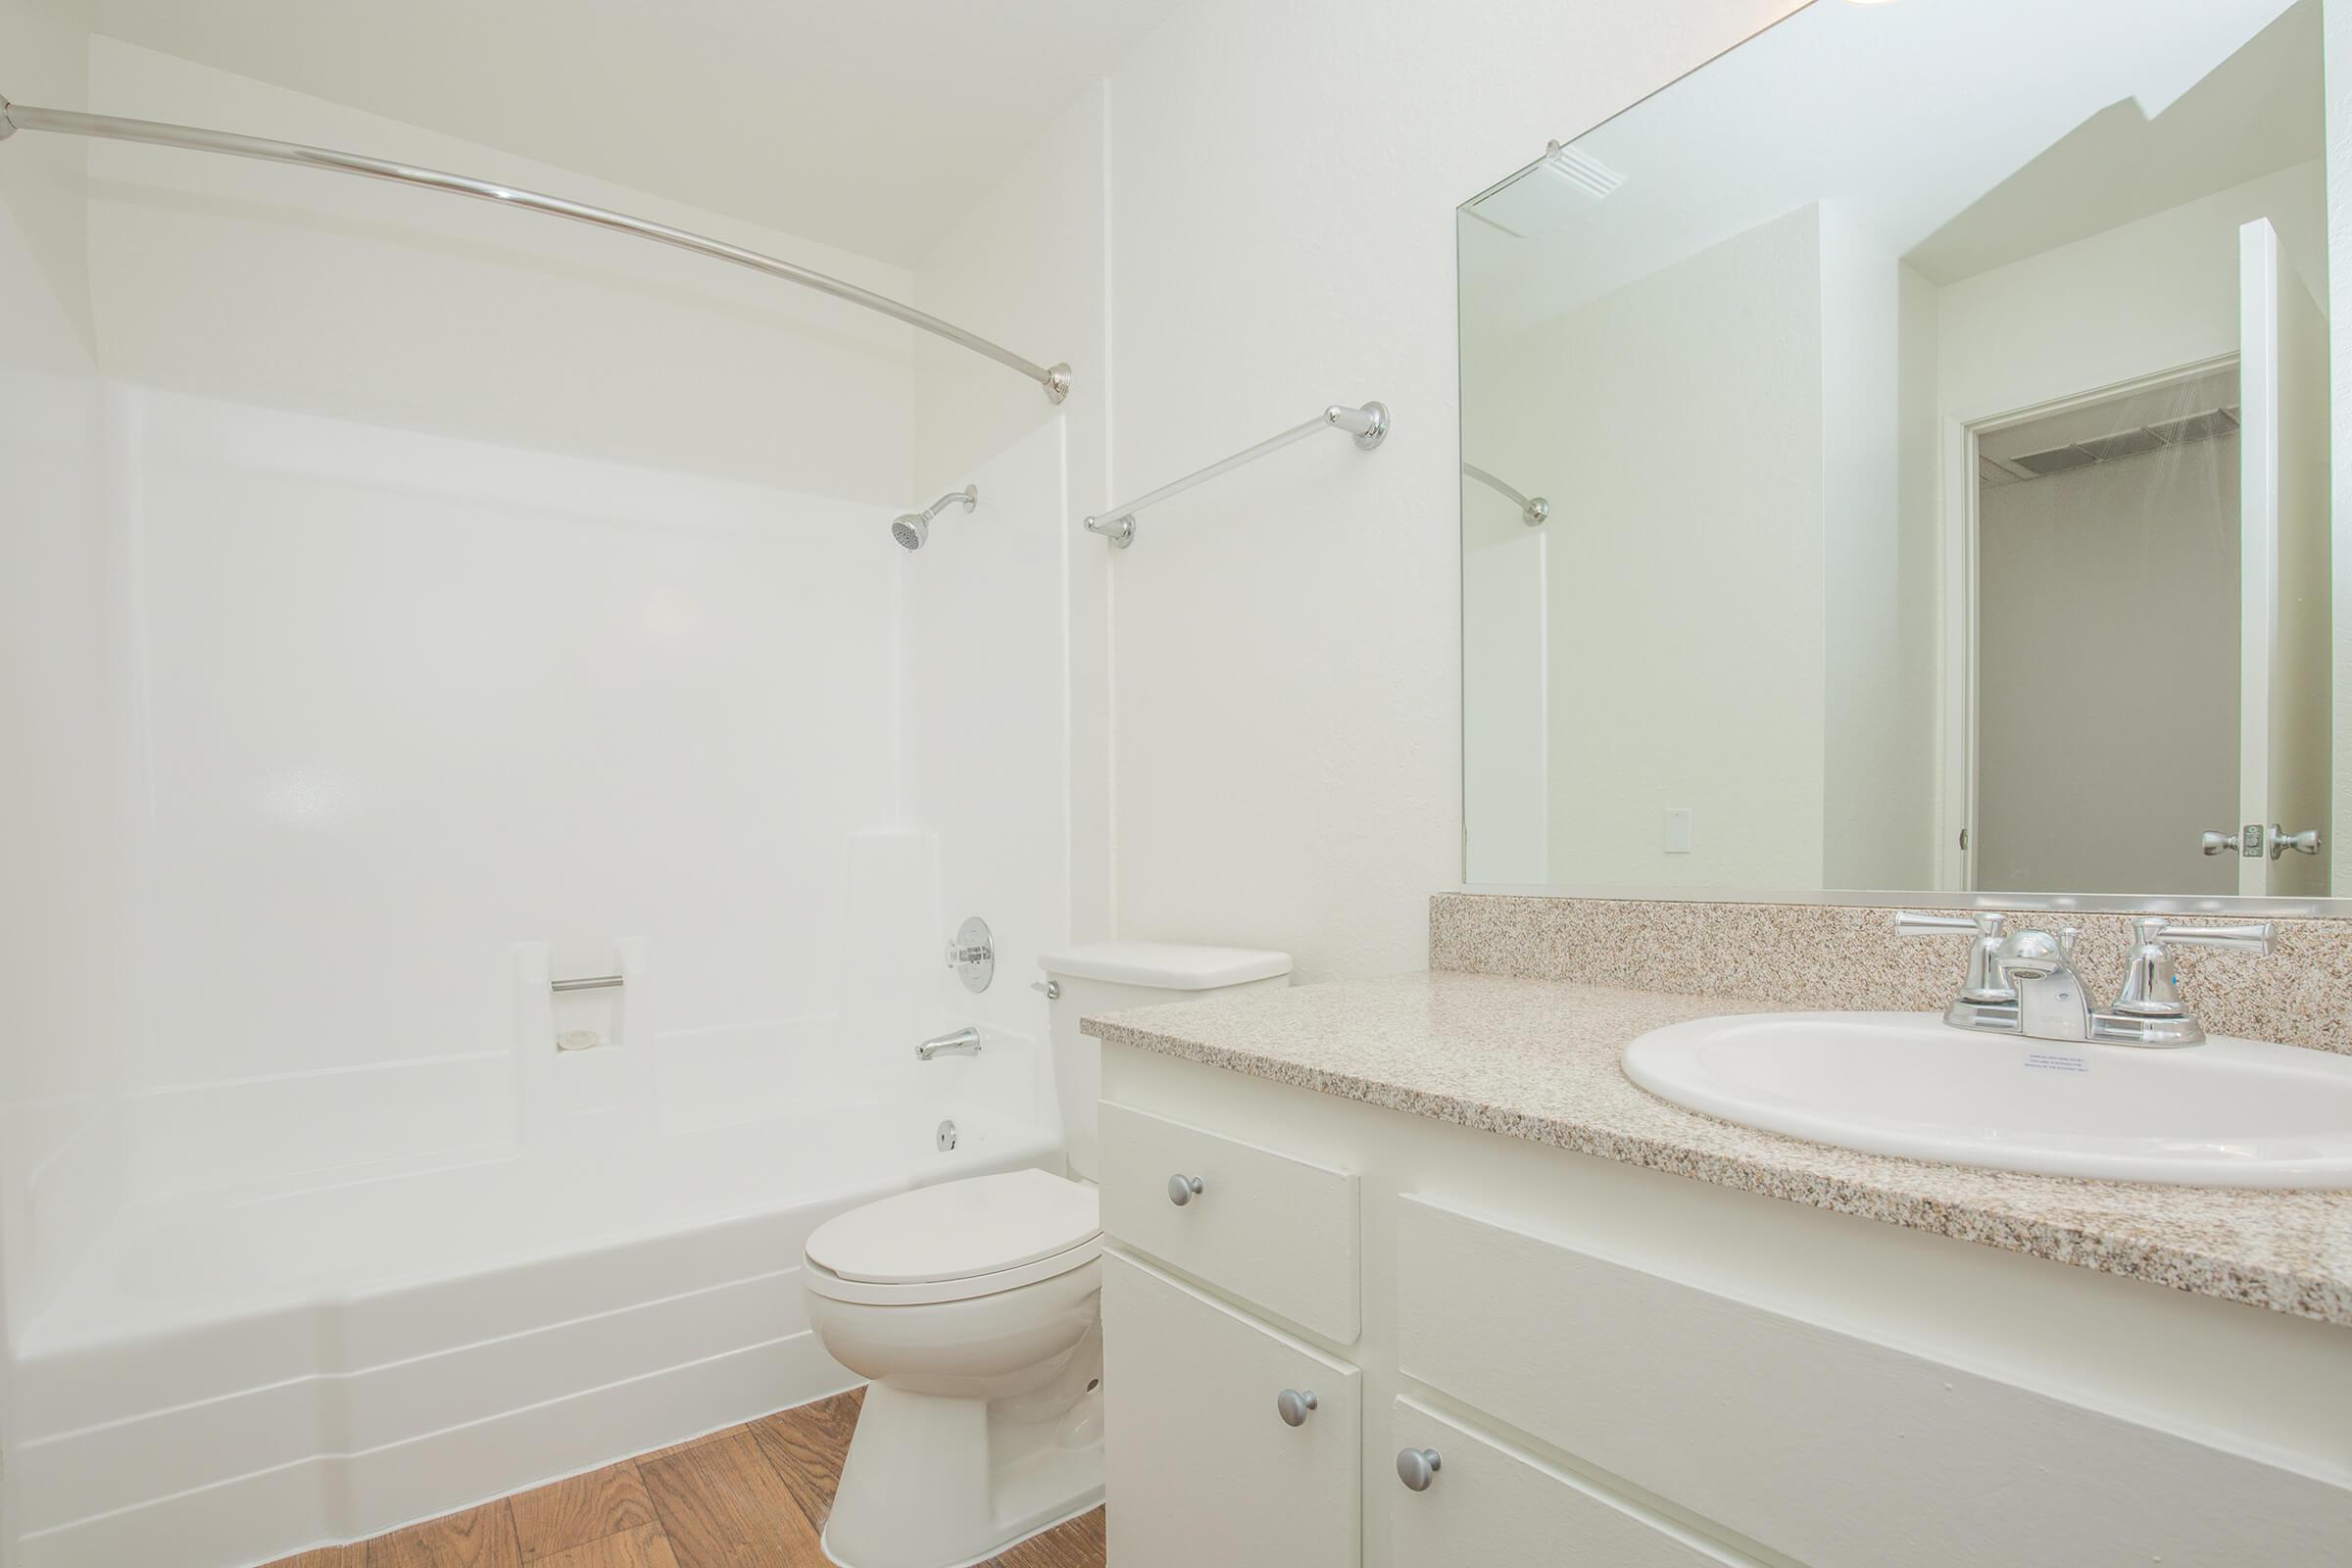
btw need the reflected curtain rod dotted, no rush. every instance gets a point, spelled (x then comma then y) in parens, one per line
(1055, 379)
(1369, 425)
(1532, 509)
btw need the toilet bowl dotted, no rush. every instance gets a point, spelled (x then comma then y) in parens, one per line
(973, 1310)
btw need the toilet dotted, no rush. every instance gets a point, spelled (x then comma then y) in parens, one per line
(972, 1306)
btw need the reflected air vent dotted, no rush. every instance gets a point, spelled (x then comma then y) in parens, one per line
(1582, 170)
(1549, 196)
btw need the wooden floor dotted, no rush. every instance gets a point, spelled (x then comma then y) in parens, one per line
(751, 1496)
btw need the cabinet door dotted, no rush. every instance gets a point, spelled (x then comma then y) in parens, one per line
(1200, 1467)
(1487, 1502)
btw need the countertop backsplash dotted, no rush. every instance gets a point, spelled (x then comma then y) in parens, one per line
(1848, 957)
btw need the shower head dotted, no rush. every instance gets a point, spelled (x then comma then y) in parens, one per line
(914, 527)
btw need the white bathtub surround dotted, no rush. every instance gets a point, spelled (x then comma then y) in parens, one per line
(349, 1298)
(227, 1382)
(351, 733)
(972, 1306)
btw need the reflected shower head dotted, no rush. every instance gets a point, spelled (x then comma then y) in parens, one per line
(913, 529)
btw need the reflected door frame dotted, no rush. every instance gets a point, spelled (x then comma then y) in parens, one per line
(1957, 592)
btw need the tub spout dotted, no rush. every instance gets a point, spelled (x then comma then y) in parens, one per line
(964, 1042)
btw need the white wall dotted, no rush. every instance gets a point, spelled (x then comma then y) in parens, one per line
(2338, 19)
(1738, 609)
(564, 610)
(59, 1076)
(483, 582)
(1027, 267)
(258, 283)
(981, 628)
(2147, 297)
(407, 701)
(1686, 557)
(1507, 701)
(1286, 642)
(1878, 588)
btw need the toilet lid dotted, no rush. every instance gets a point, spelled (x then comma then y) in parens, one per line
(980, 1225)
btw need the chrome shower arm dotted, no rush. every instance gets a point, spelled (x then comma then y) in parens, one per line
(969, 494)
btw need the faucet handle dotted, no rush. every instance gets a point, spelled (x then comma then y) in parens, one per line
(2151, 990)
(1986, 983)
(1912, 923)
(2258, 938)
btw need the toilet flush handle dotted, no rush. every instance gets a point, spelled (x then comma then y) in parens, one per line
(1182, 1190)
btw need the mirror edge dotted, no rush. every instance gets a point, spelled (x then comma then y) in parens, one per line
(2083, 903)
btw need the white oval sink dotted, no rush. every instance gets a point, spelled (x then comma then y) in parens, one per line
(2226, 1113)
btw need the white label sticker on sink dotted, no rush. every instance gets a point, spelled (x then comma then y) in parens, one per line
(2055, 1062)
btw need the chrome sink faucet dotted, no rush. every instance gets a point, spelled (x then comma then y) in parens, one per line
(964, 1042)
(2025, 982)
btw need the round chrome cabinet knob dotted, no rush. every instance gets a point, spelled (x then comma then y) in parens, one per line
(1294, 1406)
(1417, 1468)
(1182, 1190)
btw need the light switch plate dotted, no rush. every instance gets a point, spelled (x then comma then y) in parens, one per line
(1678, 830)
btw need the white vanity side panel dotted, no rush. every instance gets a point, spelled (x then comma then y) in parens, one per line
(1201, 1469)
(1274, 1230)
(1493, 1506)
(1840, 1452)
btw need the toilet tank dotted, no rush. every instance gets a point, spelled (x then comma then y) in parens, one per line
(1113, 976)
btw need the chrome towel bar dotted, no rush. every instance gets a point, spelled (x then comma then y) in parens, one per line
(1055, 379)
(1369, 425)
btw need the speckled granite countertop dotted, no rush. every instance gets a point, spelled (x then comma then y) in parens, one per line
(1539, 1059)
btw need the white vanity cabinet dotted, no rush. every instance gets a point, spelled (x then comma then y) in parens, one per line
(1582, 1362)
(1475, 1498)
(1237, 1442)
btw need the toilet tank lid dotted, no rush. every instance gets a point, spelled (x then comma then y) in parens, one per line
(1168, 965)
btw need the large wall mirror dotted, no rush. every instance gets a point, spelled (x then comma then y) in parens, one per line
(1895, 456)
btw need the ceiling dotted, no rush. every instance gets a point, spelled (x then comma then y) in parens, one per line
(1915, 122)
(2259, 111)
(869, 125)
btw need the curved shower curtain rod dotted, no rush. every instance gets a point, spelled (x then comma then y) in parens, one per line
(1534, 511)
(1055, 379)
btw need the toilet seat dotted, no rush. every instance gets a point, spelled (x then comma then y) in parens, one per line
(957, 1241)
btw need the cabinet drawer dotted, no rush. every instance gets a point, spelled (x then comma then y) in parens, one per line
(1274, 1230)
(1838, 1451)
(1203, 1468)
(1490, 1504)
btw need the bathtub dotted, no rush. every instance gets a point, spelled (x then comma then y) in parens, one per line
(235, 1375)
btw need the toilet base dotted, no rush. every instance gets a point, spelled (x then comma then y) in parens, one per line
(826, 1539)
(936, 1480)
